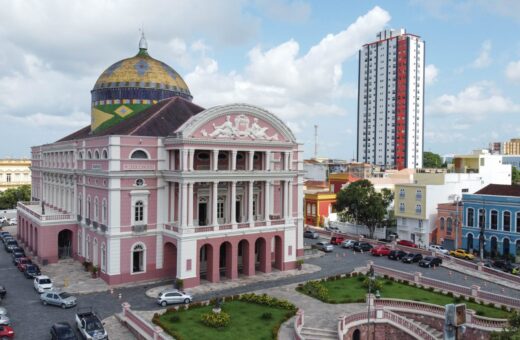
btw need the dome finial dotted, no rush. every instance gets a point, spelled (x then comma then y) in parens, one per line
(143, 44)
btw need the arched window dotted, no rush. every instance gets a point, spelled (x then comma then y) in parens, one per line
(96, 154)
(401, 207)
(441, 223)
(103, 257)
(87, 248)
(95, 253)
(418, 194)
(96, 209)
(494, 219)
(88, 207)
(449, 226)
(80, 155)
(418, 209)
(507, 221)
(470, 217)
(105, 154)
(401, 193)
(79, 244)
(104, 212)
(80, 206)
(139, 154)
(139, 211)
(138, 258)
(481, 218)
(89, 154)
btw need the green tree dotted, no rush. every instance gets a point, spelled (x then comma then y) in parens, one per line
(515, 175)
(432, 160)
(361, 202)
(9, 197)
(512, 332)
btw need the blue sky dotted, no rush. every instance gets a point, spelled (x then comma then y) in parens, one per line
(298, 59)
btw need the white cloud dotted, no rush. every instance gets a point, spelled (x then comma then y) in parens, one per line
(283, 10)
(39, 120)
(484, 58)
(291, 85)
(474, 102)
(431, 72)
(513, 71)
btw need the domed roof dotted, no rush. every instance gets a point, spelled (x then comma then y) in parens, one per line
(142, 71)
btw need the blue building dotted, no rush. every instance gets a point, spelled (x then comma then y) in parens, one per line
(495, 210)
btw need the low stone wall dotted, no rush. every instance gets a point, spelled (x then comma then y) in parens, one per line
(378, 331)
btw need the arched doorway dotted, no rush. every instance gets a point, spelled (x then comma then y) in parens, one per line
(170, 260)
(245, 259)
(494, 247)
(469, 243)
(64, 244)
(505, 247)
(517, 247)
(207, 270)
(225, 260)
(277, 256)
(262, 255)
(356, 335)
(138, 258)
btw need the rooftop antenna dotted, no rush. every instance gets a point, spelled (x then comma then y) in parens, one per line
(315, 141)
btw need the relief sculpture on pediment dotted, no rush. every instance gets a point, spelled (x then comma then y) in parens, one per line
(239, 127)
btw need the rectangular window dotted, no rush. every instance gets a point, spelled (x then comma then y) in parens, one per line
(220, 209)
(494, 219)
(401, 207)
(470, 219)
(8, 178)
(507, 221)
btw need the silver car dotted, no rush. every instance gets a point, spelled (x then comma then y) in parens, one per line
(61, 299)
(324, 246)
(173, 296)
(347, 244)
(4, 320)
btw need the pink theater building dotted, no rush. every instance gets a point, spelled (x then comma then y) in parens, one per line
(158, 187)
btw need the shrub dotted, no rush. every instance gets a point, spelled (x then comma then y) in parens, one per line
(315, 289)
(376, 284)
(216, 320)
(458, 299)
(266, 316)
(175, 318)
(179, 283)
(450, 294)
(481, 313)
(354, 274)
(389, 282)
(361, 278)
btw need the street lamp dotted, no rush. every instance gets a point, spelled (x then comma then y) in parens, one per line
(371, 278)
(482, 223)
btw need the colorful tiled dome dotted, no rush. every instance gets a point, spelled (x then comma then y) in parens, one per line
(132, 85)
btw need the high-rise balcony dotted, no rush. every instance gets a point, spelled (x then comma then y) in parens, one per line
(45, 213)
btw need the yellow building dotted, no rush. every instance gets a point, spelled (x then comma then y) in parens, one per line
(14, 173)
(512, 147)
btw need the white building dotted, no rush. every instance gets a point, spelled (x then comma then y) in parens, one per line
(391, 100)
(416, 203)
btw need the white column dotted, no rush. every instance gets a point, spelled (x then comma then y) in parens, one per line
(214, 161)
(251, 160)
(285, 200)
(191, 154)
(234, 161)
(184, 205)
(233, 204)
(172, 159)
(267, 202)
(214, 200)
(290, 200)
(179, 203)
(250, 203)
(286, 161)
(267, 161)
(289, 160)
(190, 204)
(184, 154)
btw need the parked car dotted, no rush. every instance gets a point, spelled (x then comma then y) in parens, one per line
(362, 246)
(380, 251)
(310, 234)
(42, 283)
(62, 331)
(462, 254)
(324, 246)
(406, 243)
(337, 240)
(18, 250)
(169, 296)
(3, 311)
(10, 245)
(411, 257)
(430, 261)
(3, 292)
(438, 249)
(4, 320)
(62, 299)
(3, 219)
(333, 229)
(90, 326)
(503, 265)
(31, 271)
(22, 263)
(4, 234)
(6, 332)
(347, 244)
(16, 256)
(396, 254)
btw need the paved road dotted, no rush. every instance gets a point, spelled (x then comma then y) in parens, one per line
(31, 320)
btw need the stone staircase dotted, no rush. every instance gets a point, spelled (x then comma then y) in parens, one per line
(309, 333)
(435, 332)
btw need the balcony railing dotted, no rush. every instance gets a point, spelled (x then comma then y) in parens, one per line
(103, 228)
(95, 224)
(139, 228)
(174, 226)
(34, 208)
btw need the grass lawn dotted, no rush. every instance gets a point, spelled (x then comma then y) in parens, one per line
(348, 290)
(246, 322)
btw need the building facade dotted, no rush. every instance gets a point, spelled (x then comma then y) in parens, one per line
(512, 147)
(494, 212)
(448, 225)
(14, 173)
(391, 101)
(164, 188)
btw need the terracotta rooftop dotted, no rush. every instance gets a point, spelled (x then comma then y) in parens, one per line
(161, 120)
(500, 190)
(312, 183)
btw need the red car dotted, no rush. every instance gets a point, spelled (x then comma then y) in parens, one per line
(380, 251)
(406, 243)
(22, 263)
(6, 332)
(337, 240)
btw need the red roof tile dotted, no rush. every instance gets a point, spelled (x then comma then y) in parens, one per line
(500, 190)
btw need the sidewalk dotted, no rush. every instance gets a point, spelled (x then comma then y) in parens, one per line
(208, 287)
(116, 330)
(481, 275)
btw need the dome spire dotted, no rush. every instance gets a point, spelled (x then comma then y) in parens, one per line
(143, 44)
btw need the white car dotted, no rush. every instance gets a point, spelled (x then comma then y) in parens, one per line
(438, 249)
(42, 283)
(3, 219)
(13, 221)
(347, 244)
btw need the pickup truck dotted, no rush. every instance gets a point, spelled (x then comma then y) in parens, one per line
(89, 325)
